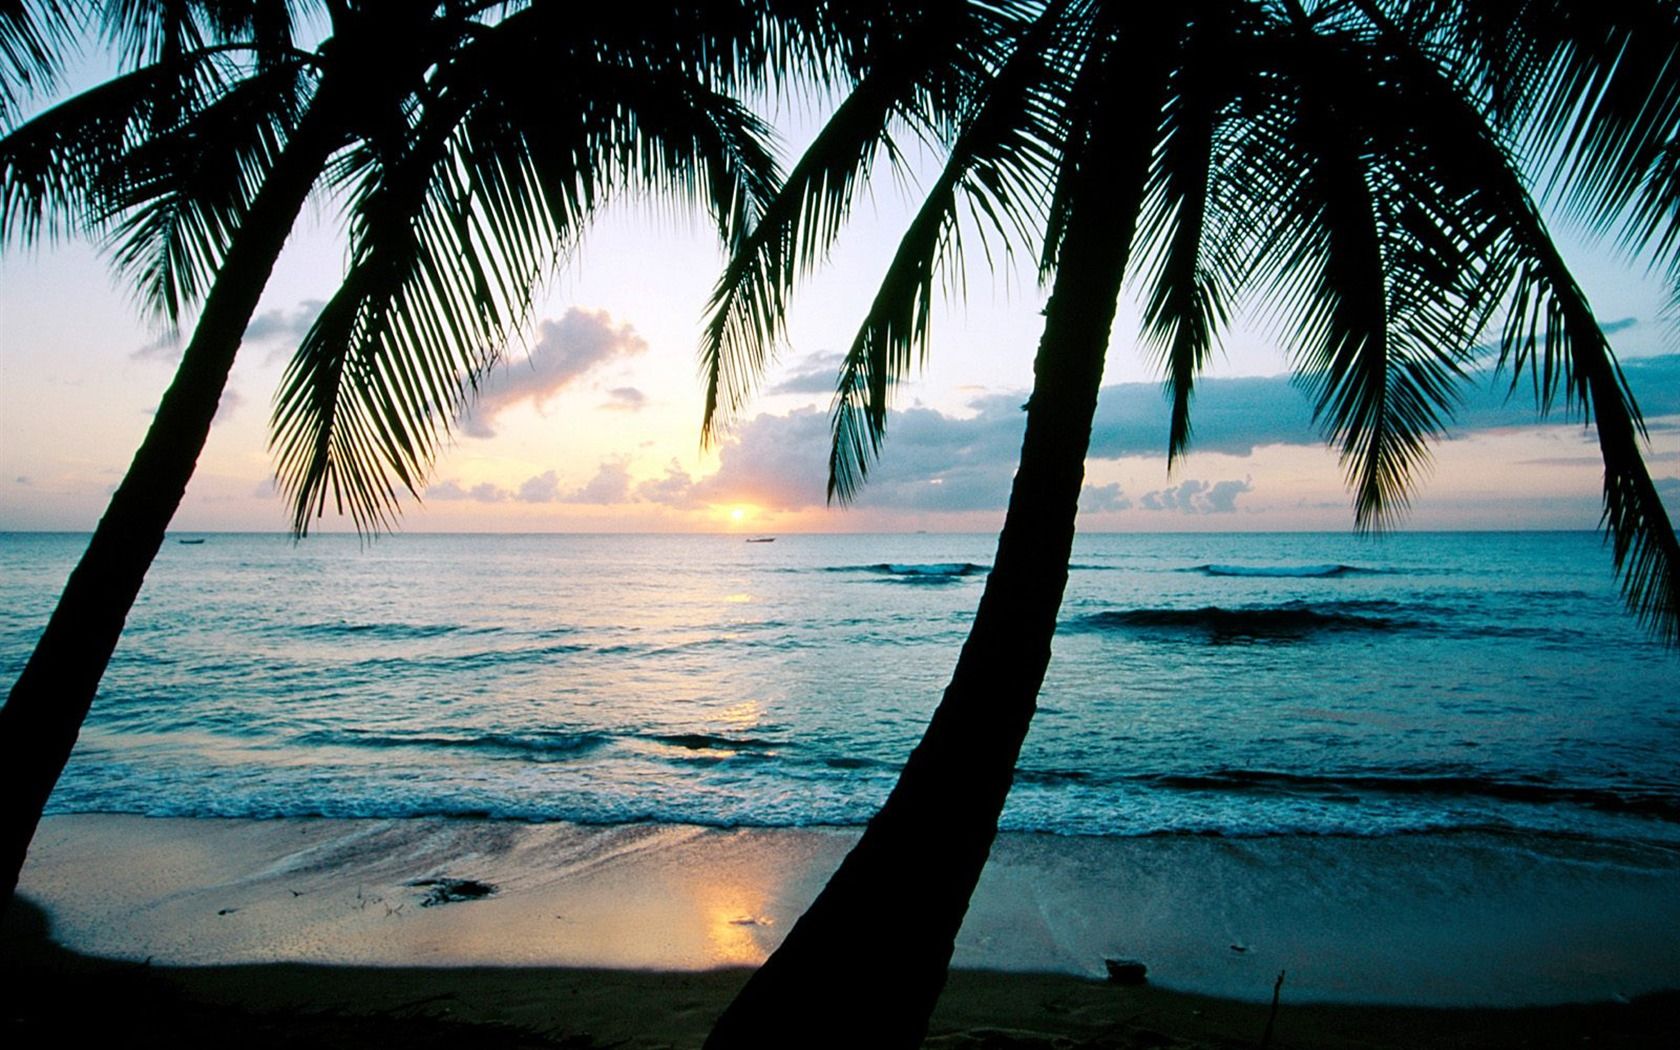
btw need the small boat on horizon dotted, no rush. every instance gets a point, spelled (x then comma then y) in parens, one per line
(761, 539)
(190, 542)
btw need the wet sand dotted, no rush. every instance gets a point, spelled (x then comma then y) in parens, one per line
(461, 932)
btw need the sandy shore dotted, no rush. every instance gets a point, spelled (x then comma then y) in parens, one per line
(636, 936)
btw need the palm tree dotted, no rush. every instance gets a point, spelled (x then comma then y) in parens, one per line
(470, 141)
(1351, 163)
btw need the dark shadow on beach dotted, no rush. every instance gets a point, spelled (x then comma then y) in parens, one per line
(55, 997)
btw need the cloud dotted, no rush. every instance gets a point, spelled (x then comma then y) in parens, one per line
(936, 462)
(229, 404)
(1097, 498)
(283, 328)
(815, 374)
(671, 490)
(1236, 416)
(625, 399)
(1222, 498)
(288, 326)
(446, 490)
(1490, 349)
(544, 488)
(564, 351)
(611, 484)
(484, 492)
(166, 348)
(1193, 496)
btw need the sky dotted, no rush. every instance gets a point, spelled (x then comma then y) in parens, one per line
(592, 421)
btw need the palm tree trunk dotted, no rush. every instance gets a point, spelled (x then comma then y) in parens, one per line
(43, 715)
(866, 962)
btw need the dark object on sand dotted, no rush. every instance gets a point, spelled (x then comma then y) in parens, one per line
(1126, 971)
(1271, 1018)
(451, 891)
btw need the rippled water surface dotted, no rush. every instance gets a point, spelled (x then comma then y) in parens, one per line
(1241, 684)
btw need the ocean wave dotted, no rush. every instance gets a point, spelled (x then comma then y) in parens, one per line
(1293, 620)
(1663, 805)
(528, 747)
(1303, 572)
(393, 631)
(715, 742)
(942, 570)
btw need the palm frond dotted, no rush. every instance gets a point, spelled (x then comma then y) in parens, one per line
(1187, 277)
(180, 196)
(1613, 103)
(1088, 28)
(1370, 252)
(747, 311)
(61, 171)
(33, 36)
(1553, 336)
(1001, 165)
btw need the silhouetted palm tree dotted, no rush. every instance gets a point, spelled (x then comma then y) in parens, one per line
(470, 143)
(1352, 165)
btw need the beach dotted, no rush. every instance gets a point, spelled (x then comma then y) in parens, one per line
(637, 935)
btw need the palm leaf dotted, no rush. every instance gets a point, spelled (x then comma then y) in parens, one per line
(1001, 165)
(61, 172)
(1187, 275)
(1370, 250)
(180, 196)
(33, 36)
(747, 311)
(1552, 335)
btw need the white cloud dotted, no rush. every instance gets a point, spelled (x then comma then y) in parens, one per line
(814, 374)
(611, 484)
(230, 401)
(166, 347)
(544, 488)
(671, 490)
(933, 462)
(625, 399)
(1194, 496)
(282, 328)
(564, 351)
(483, 492)
(289, 326)
(1094, 499)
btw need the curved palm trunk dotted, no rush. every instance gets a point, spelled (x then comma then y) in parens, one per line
(43, 714)
(866, 962)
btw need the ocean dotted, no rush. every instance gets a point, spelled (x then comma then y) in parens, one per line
(1236, 685)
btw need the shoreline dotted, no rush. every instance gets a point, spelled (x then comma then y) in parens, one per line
(1456, 919)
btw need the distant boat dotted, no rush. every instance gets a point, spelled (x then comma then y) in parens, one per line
(189, 542)
(761, 539)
